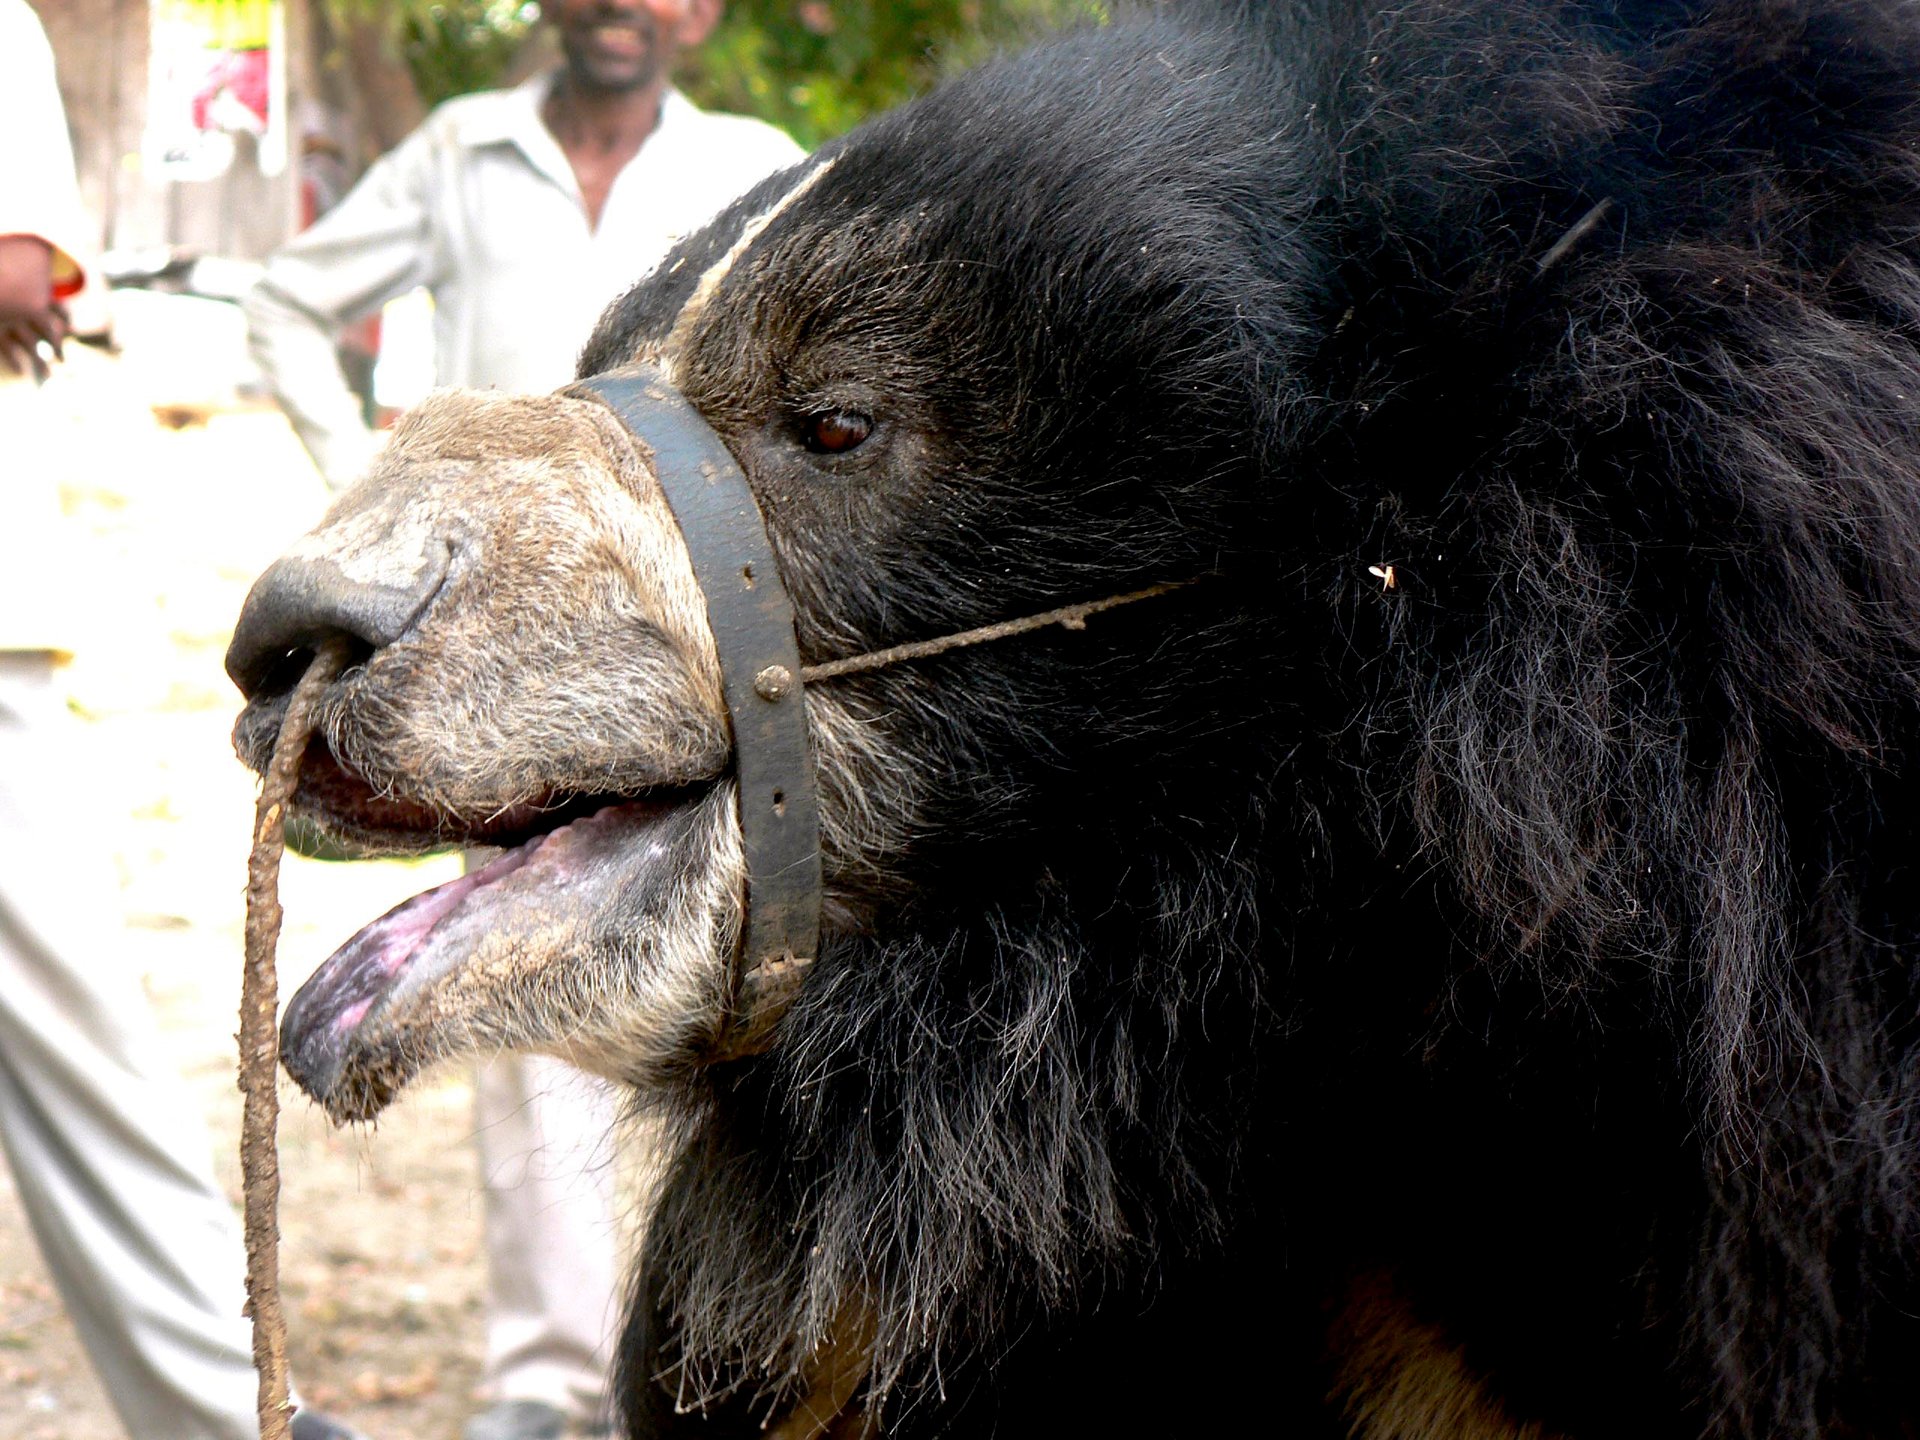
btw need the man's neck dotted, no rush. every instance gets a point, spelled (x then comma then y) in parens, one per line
(599, 132)
(591, 121)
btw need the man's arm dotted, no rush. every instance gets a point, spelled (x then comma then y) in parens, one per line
(40, 218)
(375, 244)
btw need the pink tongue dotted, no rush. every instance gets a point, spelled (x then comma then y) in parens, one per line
(616, 864)
(381, 951)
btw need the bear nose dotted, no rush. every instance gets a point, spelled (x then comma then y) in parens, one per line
(300, 601)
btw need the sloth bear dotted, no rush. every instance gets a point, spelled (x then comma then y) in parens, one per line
(1448, 968)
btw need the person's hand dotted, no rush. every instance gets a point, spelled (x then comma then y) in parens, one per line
(29, 315)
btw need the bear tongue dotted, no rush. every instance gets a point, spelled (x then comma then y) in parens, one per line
(424, 937)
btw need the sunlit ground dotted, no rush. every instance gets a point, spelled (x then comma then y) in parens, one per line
(168, 527)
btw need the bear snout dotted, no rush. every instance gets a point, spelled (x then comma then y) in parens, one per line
(301, 601)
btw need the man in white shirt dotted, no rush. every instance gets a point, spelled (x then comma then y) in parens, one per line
(524, 212)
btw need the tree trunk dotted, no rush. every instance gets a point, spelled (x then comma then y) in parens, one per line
(360, 79)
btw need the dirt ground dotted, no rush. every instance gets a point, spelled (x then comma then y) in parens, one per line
(177, 492)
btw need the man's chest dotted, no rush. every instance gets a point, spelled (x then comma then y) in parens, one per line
(595, 173)
(509, 218)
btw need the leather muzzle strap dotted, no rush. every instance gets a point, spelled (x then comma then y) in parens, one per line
(761, 676)
(752, 622)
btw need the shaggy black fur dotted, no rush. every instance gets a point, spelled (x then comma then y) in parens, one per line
(1536, 930)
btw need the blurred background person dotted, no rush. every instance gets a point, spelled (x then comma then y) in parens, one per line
(523, 212)
(108, 1148)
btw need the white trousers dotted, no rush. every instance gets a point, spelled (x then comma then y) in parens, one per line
(553, 1239)
(109, 1148)
(110, 1152)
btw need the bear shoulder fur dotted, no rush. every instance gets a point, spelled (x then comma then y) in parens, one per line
(1452, 971)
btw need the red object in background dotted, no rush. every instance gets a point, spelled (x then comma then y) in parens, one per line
(241, 74)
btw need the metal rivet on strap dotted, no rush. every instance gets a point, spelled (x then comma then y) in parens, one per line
(773, 683)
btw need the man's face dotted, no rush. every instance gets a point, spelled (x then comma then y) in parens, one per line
(626, 44)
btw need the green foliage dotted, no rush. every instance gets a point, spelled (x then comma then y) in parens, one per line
(817, 68)
(454, 48)
(450, 47)
(813, 67)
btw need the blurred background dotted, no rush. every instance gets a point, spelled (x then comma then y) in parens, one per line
(179, 141)
(205, 133)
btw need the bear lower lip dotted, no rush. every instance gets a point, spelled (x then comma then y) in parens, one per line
(342, 808)
(424, 938)
(343, 804)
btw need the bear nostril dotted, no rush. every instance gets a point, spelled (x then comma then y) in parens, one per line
(278, 677)
(298, 602)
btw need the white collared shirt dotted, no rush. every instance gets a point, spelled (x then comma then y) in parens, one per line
(39, 197)
(481, 207)
(38, 193)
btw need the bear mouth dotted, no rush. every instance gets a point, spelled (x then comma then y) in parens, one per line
(344, 808)
(350, 1035)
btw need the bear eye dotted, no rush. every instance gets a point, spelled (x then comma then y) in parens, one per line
(835, 432)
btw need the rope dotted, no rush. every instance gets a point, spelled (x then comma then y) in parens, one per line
(1068, 617)
(260, 1043)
